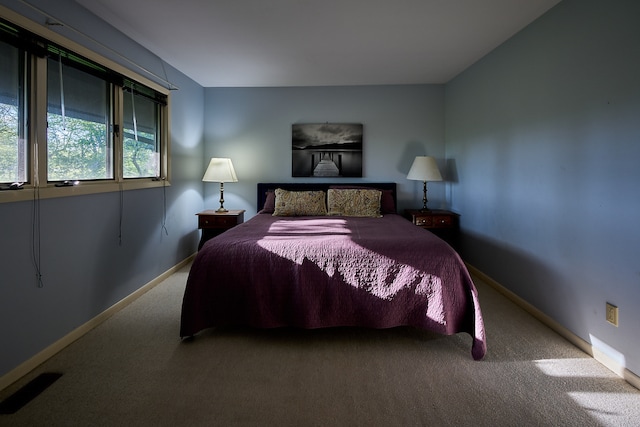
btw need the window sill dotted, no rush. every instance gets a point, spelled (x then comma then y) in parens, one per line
(50, 191)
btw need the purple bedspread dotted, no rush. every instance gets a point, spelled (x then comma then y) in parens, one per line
(313, 272)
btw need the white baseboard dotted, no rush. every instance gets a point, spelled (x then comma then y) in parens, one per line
(583, 345)
(41, 357)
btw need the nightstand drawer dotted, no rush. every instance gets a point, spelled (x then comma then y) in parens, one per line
(213, 223)
(216, 221)
(423, 221)
(434, 221)
(442, 221)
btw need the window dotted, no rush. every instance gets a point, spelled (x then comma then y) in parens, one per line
(13, 147)
(94, 121)
(141, 144)
(78, 120)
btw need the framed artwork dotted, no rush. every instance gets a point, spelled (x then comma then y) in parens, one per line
(326, 150)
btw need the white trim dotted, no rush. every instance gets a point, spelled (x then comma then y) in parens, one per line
(583, 345)
(83, 188)
(50, 351)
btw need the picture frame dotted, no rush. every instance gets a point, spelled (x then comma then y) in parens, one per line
(322, 150)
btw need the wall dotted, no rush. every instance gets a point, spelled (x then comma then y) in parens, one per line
(87, 264)
(544, 138)
(252, 126)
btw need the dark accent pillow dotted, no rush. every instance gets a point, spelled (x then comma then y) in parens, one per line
(269, 202)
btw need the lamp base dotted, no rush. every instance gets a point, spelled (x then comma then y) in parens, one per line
(424, 198)
(221, 209)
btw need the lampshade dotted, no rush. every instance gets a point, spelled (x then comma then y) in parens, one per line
(424, 168)
(220, 170)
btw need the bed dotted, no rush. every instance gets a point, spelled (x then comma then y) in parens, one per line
(309, 268)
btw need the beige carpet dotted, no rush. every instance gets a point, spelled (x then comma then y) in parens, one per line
(133, 370)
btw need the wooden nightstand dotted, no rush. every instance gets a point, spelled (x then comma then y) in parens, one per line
(444, 224)
(213, 223)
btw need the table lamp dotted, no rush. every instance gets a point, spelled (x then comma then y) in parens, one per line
(220, 170)
(424, 168)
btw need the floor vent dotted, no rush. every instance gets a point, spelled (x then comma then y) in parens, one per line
(27, 393)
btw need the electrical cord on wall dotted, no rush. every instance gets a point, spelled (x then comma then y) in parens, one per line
(35, 235)
(164, 206)
(121, 214)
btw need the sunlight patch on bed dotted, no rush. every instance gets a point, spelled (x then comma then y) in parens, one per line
(310, 226)
(356, 265)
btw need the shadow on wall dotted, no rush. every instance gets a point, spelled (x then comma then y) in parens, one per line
(451, 171)
(189, 243)
(523, 274)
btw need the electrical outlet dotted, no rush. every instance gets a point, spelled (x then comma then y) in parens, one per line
(612, 314)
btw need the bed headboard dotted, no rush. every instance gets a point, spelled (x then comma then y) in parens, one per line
(305, 186)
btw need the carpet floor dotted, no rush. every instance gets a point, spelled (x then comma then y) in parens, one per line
(134, 370)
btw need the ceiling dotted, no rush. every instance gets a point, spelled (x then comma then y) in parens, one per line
(246, 43)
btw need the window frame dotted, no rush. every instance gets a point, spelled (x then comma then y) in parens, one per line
(36, 132)
(126, 91)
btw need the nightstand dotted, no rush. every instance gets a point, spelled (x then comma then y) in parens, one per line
(442, 223)
(213, 223)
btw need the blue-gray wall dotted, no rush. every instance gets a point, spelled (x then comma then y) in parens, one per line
(252, 126)
(542, 137)
(85, 268)
(544, 133)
